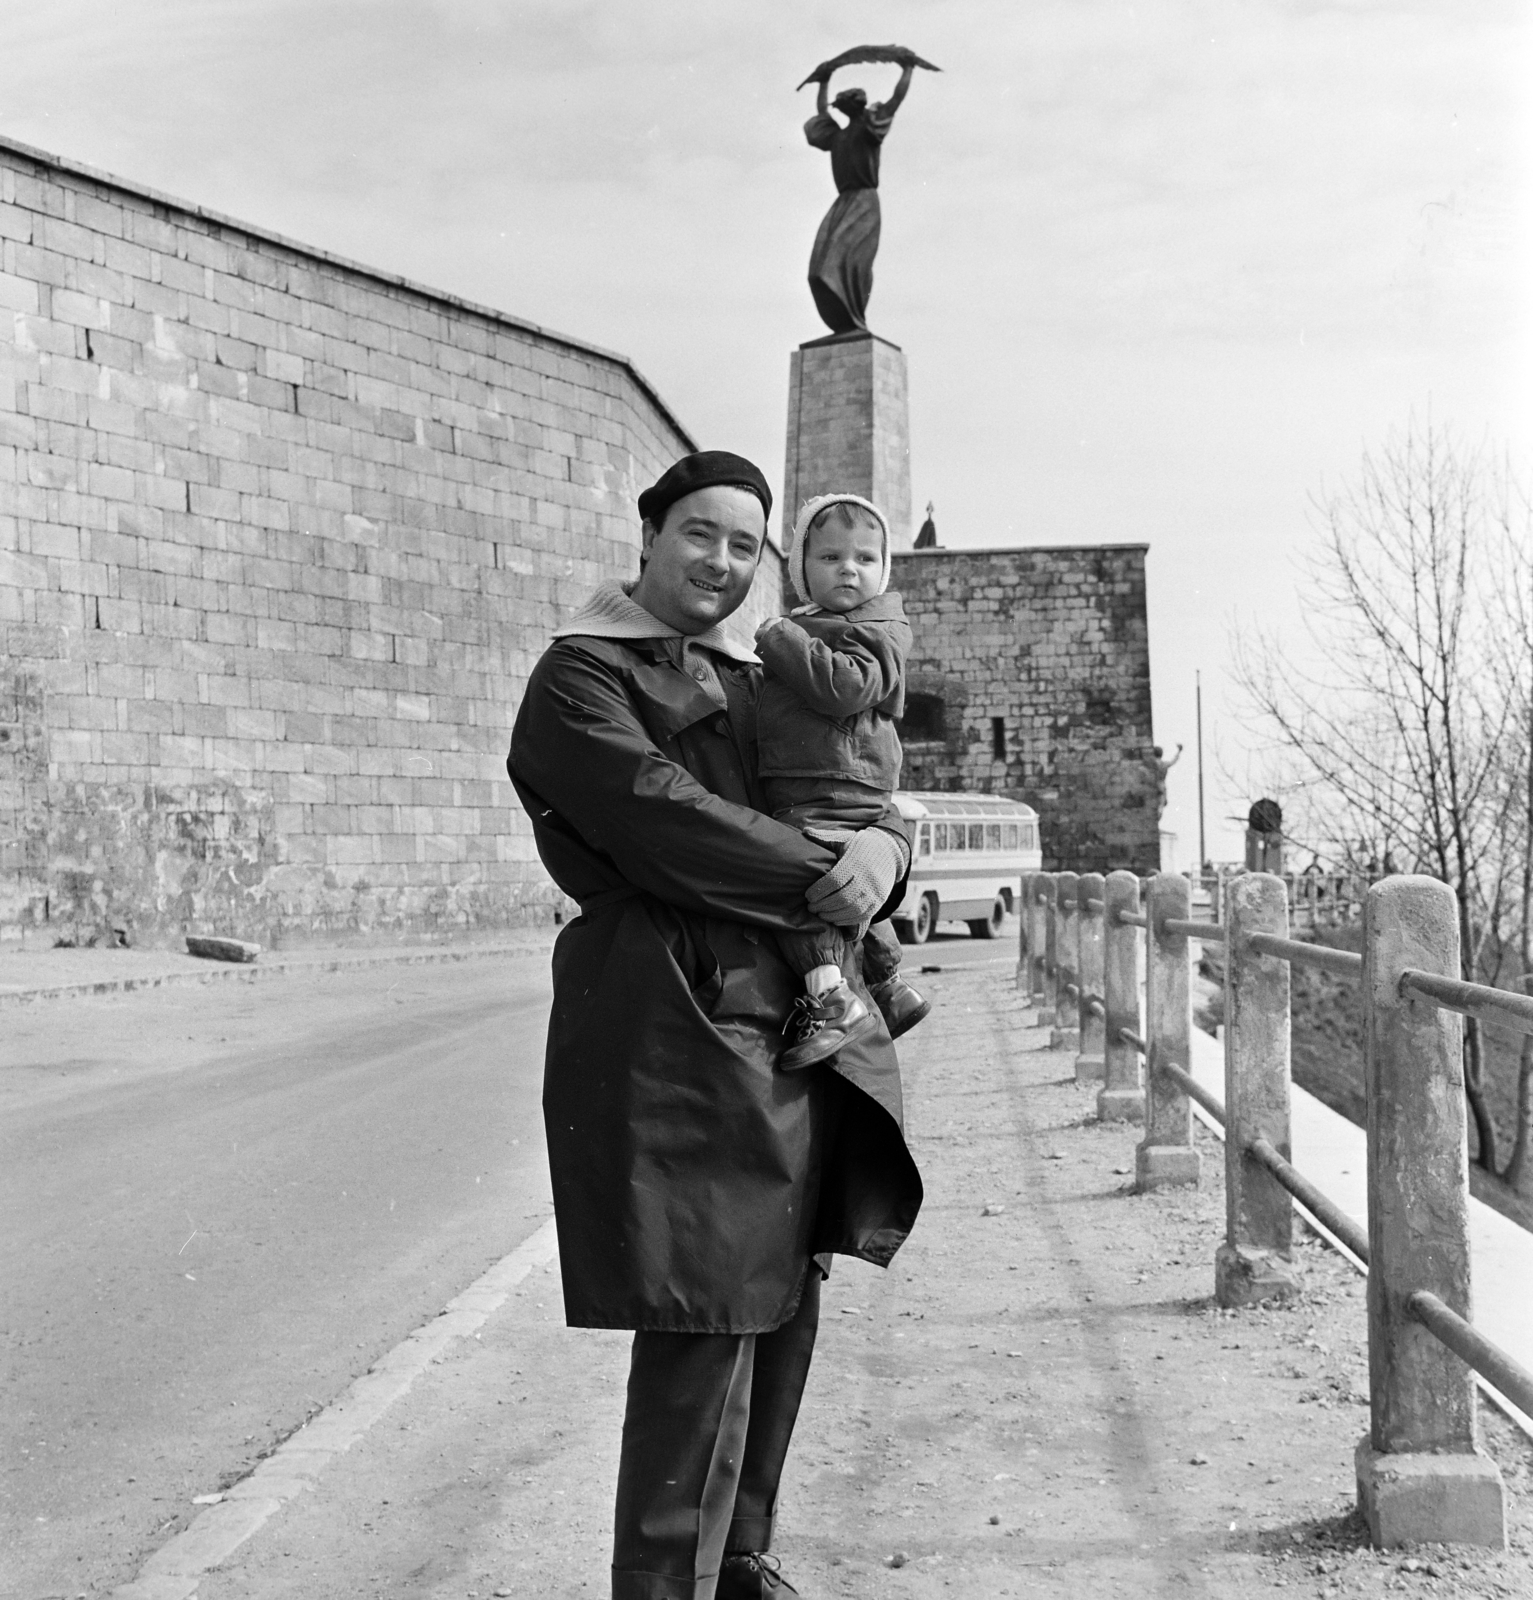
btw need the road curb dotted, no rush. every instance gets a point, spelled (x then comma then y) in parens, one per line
(175, 1570)
(230, 972)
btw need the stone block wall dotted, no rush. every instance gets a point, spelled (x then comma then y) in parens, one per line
(280, 538)
(849, 428)
(1030, 676)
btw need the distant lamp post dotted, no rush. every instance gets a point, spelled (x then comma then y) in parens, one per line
(1203, 861)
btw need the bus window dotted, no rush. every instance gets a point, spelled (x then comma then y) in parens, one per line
(992, 836)
(926, 838)
(1010, 837)
(976, 836)
(957, 836)
(941, 836)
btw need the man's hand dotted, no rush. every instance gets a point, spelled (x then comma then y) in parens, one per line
(859, 883)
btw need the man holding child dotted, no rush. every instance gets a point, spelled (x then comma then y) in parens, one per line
(700, 1189)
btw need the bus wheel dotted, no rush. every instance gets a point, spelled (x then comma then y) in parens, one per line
(990, 927)
(925, 919)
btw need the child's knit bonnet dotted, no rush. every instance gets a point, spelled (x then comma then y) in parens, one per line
(807, 513)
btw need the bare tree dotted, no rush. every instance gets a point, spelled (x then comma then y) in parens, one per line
(1516, 620)
(1398, 744)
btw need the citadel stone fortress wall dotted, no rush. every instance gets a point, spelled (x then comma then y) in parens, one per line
(280, 538)
(1031, 676)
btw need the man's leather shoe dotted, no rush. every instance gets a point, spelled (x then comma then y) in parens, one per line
(753, 1577)
(902, 1007)
(819, 1027)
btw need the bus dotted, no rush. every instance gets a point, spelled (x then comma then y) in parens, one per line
(969, 853)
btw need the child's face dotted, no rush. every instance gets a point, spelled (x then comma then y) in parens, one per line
(843, 565)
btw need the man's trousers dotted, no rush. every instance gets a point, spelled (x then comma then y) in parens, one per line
(709, 1419)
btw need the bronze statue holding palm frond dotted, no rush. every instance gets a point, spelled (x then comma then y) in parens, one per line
(841, 263)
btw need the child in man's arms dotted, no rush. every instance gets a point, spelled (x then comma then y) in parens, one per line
(829, 753)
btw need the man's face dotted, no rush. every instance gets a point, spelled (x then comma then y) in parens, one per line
(699, 564)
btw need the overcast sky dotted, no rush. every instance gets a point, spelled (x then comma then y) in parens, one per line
(1161, 271)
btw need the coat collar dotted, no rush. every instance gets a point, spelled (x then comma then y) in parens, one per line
(611, 613)
(673, 698)
(885, 607)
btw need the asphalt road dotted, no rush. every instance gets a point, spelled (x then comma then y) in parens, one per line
(951, 945)
(222, 1203)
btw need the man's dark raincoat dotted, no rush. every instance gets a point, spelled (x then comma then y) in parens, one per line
(692, 1180)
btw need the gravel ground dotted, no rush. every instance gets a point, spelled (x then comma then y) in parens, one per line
(1039, 1398)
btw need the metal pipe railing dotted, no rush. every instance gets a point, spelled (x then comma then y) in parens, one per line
(1421, 1388)
(1472, 999)
(1346, 962)
(1194, 1090)
(1314, 1200)
(1473, 1348)
(1208, 932)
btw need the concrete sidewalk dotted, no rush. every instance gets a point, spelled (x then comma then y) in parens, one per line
(1038, 1398)
(29, 975)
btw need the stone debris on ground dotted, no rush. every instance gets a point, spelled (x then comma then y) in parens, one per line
(1047, 1405)
(213, 948)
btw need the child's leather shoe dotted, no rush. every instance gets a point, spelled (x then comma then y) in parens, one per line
(902, 1007)
(819, 1027)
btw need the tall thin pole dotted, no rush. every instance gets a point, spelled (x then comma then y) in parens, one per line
(1202, 843)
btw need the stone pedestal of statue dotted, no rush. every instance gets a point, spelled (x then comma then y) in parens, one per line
(849, 428)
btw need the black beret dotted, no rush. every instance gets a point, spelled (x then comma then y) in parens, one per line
(702, 471)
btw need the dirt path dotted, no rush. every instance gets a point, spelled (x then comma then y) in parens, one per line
(1042, 1401)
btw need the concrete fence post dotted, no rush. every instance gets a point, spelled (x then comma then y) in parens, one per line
(1039, 940)
(1090, 1062)
(1254, 1262)
(1120, 1098)
(1024, 937)
(1166, 1154)
(1420, 1476)
(1066, 1034)
(1047, 930)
